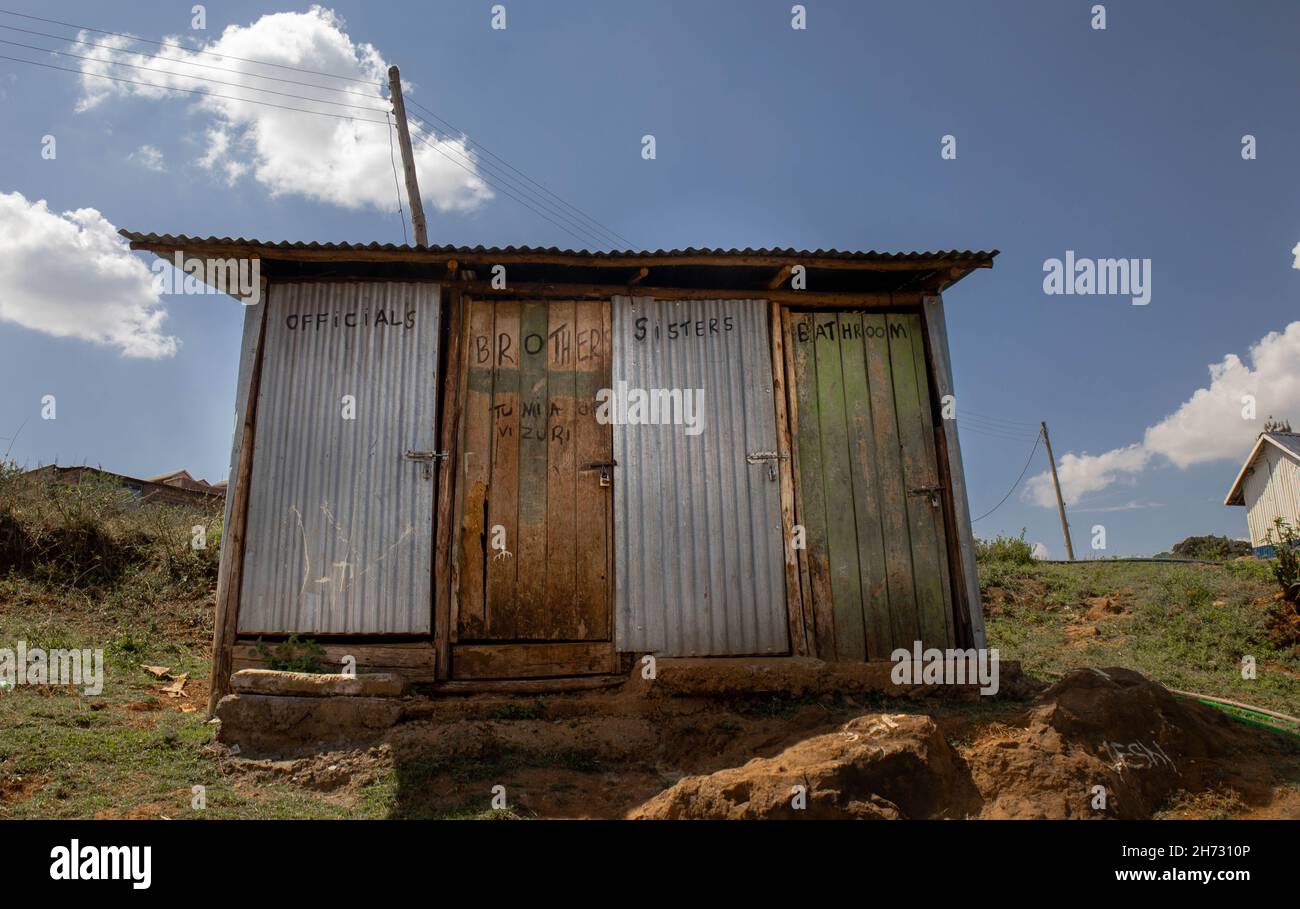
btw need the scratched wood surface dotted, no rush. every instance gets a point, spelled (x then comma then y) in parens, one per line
(471, 620)
(863, 436)
(534, 544)
(503, 485)
(810, 493)
(920, 469)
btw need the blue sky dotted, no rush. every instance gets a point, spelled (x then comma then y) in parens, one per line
(1123, 142)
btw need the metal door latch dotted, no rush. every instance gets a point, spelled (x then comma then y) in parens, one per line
(428, 457)
(931, 491)
(603, 467)
(771, 457)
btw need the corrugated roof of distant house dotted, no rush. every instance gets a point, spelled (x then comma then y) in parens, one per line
(751, 269)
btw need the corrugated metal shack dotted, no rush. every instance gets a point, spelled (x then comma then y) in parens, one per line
(1268, 485)
(494, 464)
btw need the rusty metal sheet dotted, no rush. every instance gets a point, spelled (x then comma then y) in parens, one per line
(698, 549)
(340, 521)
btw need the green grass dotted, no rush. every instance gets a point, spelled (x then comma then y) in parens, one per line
(145, 598)
(1187, 626)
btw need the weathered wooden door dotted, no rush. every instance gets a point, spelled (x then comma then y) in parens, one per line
(534, 543)
(868, 488)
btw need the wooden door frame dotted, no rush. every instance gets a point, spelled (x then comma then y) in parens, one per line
(968, 608)
(504, 659)
(959, 542)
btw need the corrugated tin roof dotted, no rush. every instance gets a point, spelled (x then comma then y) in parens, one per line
(956, 256)
(1288, 440)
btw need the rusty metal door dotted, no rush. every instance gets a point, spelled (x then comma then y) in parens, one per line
(867, 483)
(533, 552)
(339, 537)
(697, 509)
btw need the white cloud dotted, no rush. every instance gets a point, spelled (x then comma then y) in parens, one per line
(340, 162)
(148, 156)
(70, 275)
(1084, 473)
(1133, 505)
(1296, 252)
(1208, 426)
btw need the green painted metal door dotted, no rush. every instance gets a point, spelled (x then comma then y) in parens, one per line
(868, 489)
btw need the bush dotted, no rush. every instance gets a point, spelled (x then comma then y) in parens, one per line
(1285, 541)
(1211, 548)
(96, 535)
(293, 655)
(1005, 549)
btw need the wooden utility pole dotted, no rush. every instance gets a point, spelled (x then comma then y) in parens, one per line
(1060, 503)
(408, 160)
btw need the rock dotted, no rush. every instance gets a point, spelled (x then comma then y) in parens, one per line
(308, 684)
(1116, 729)
(272, 724)
(874, 766)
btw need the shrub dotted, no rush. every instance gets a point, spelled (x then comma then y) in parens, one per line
(1211, 548)
(96, 535)
(1285, 541)
(1005, 549)
(293, 655)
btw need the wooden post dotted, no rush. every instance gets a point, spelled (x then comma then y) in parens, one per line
(408, 160)
(448, 530)
(965, 571)
(785, 446)
(1056, 484)
(231, 570)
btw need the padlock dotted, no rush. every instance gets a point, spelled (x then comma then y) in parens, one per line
(604, 476)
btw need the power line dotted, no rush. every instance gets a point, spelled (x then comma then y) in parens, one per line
(386, 123)
(964, 421)
(167, 72)
(966, 427)
(580, 239)
(1030, 460)
(992, 424)
(396, 185)
(627, 243)
(532, 197)
(589, 228)
(991, 419)
(220, 69)
(194, 91)
(101, 31)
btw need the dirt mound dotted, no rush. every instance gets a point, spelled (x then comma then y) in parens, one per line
(1097, 744)
(874, 766)
(1111, 728)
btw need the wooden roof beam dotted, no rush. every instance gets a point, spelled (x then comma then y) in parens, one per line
(780, 277)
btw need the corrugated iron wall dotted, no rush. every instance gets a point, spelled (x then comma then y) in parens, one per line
(1272, 491)
(698, 548)
(340, 524)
